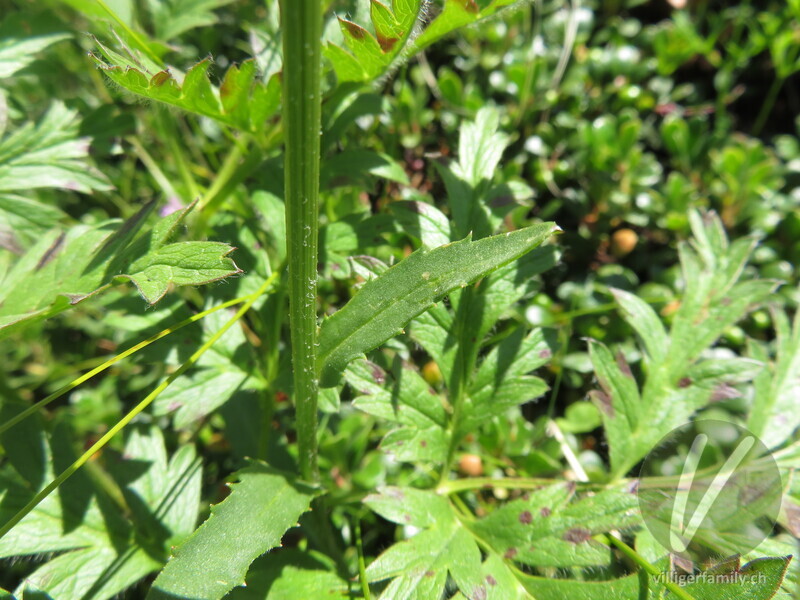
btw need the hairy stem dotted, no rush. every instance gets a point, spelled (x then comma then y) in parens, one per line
(301, 22)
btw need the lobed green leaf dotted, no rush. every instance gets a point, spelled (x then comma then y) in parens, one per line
(242, 102)
(65, 268)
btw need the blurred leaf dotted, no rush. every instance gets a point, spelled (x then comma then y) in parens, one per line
(387, 303)
(251, 521)
(677, 384)
(625, 588)
(352, 166)
(49, 155)
(759, 579)
(171, 18)
(16, 53)
(23, 221)
(773, 416)
(646, 323)
(480, 147)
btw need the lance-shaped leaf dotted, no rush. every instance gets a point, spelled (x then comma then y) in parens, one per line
(248, 523)
(243, 101)
(65, 268)
(383, 306)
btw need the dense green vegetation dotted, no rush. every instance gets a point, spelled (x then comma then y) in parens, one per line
(548, 235)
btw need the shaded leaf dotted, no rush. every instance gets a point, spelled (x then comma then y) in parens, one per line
(49, 155)
(419, 566)
(16, 53)
(290, 573)
(100, 552)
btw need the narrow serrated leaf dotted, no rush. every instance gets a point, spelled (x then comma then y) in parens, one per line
(252, 520)
(387, 303)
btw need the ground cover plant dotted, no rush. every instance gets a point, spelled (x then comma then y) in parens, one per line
(353, 299)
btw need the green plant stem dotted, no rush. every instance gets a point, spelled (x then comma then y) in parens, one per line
(112, 361)
(647, 567)
(766, 107)
(301, 24)
(454, 486)
(109, 435)
(463, 367)
(362, 565)
(226, 173)
(155, 171)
